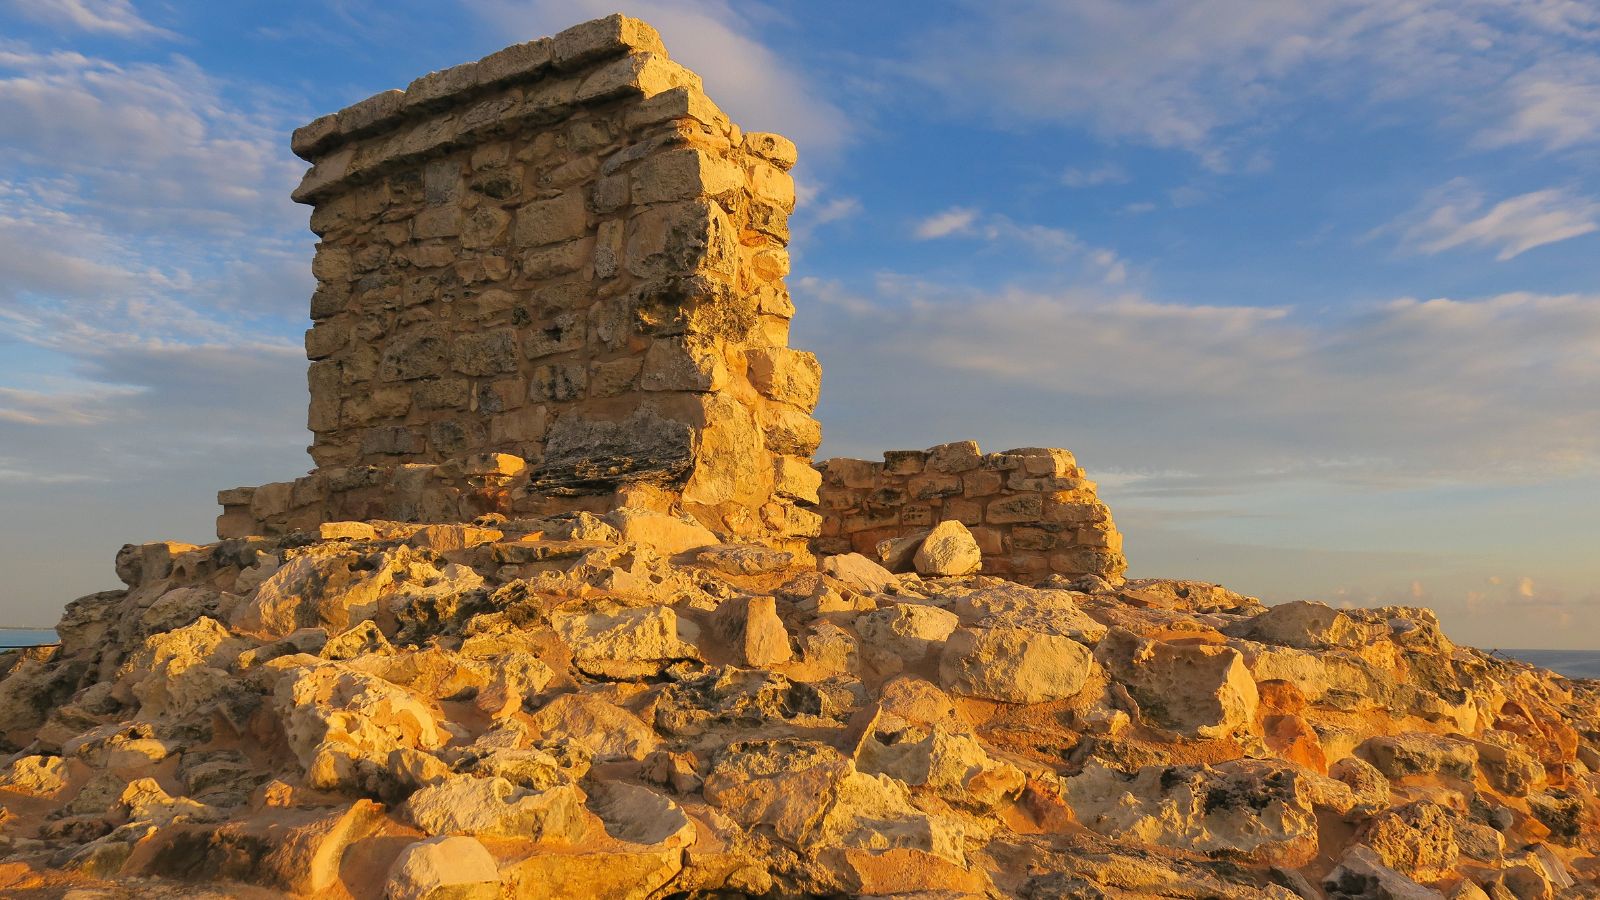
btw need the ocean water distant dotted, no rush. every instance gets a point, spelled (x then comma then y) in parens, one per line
(1571, 663)
(25, 637)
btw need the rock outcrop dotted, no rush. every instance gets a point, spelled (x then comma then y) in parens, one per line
(578, 660)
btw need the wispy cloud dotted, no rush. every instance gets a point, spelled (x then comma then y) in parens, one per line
(1107, 173)
(721, 41)
(157, 146)
(117, 18)
(1410, 390)
(1457, 215)
(1206, 76)
(955, 220)
(1554, 109)
(1056, 245)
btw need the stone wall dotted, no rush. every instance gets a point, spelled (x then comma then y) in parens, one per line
(566, 253)
(1033, 512)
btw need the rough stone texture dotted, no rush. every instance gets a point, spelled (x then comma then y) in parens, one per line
(577, 262)
(1031, 510)
(454, 676)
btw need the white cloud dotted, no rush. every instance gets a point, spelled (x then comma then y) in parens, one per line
(159, 147)
(956, 220)
(1200, 75)
(1457, 215)
(117, 18)
(1551, 110)
(1108, 173)
(1402, 392)
(1055, 245)
(720, 41)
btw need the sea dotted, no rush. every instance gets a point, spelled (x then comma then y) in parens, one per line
(1571, 663)
(25, 637)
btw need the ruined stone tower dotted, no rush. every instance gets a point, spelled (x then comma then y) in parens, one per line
(552, 281)
(562, 253)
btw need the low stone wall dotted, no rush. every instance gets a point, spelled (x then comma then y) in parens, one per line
(455, 491)
(1032, 511)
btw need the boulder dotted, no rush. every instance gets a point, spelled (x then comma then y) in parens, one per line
(949, 549)
(944, 761)
(448, 867)
(35, 776)
(1258, 811)
(1362, 874)
(494, 807)
(1305, 624)
(904, 635)
(812, 797)
(342, 724)
(1013, 665)
(1198, 690)
(1418, 840)
(626, 643)
(751, 625)
(667, 535)
(332, 586)
(1420, 753)
(606, 731)
(1015, 606)
(858, 573)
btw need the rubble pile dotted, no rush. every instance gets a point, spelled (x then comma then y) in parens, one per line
(626, 706)
(567, 611)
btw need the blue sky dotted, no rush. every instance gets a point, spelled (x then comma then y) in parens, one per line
(1312, 289)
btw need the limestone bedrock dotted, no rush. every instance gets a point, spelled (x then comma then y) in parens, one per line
(547, 619)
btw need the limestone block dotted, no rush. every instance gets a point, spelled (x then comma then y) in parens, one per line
(637, 74)
(494, 807)
(955, 457)
(561, 218)
(667, 535)
(613, 35)
(949, 549)
(683, 364)
(485, 353)
(414, 356)
(682, 237)
(516, 61)
(484, 227)
(562, 332)
(1198, 690)
(448, 867)
(789, 431)
(859, 573)
(1013, 665)
(557, 259)
(796, 478)
(787, 376)
(904, 635)
(752, 625)
(683, 174)
(774, 148)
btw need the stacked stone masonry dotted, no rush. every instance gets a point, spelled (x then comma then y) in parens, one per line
(563, 253)
(1032, 511)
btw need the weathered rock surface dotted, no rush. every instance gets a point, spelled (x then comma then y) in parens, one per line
(449, 672)
(625, 724)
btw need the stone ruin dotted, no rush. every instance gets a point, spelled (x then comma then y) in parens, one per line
(550, 286)
(552, 280)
